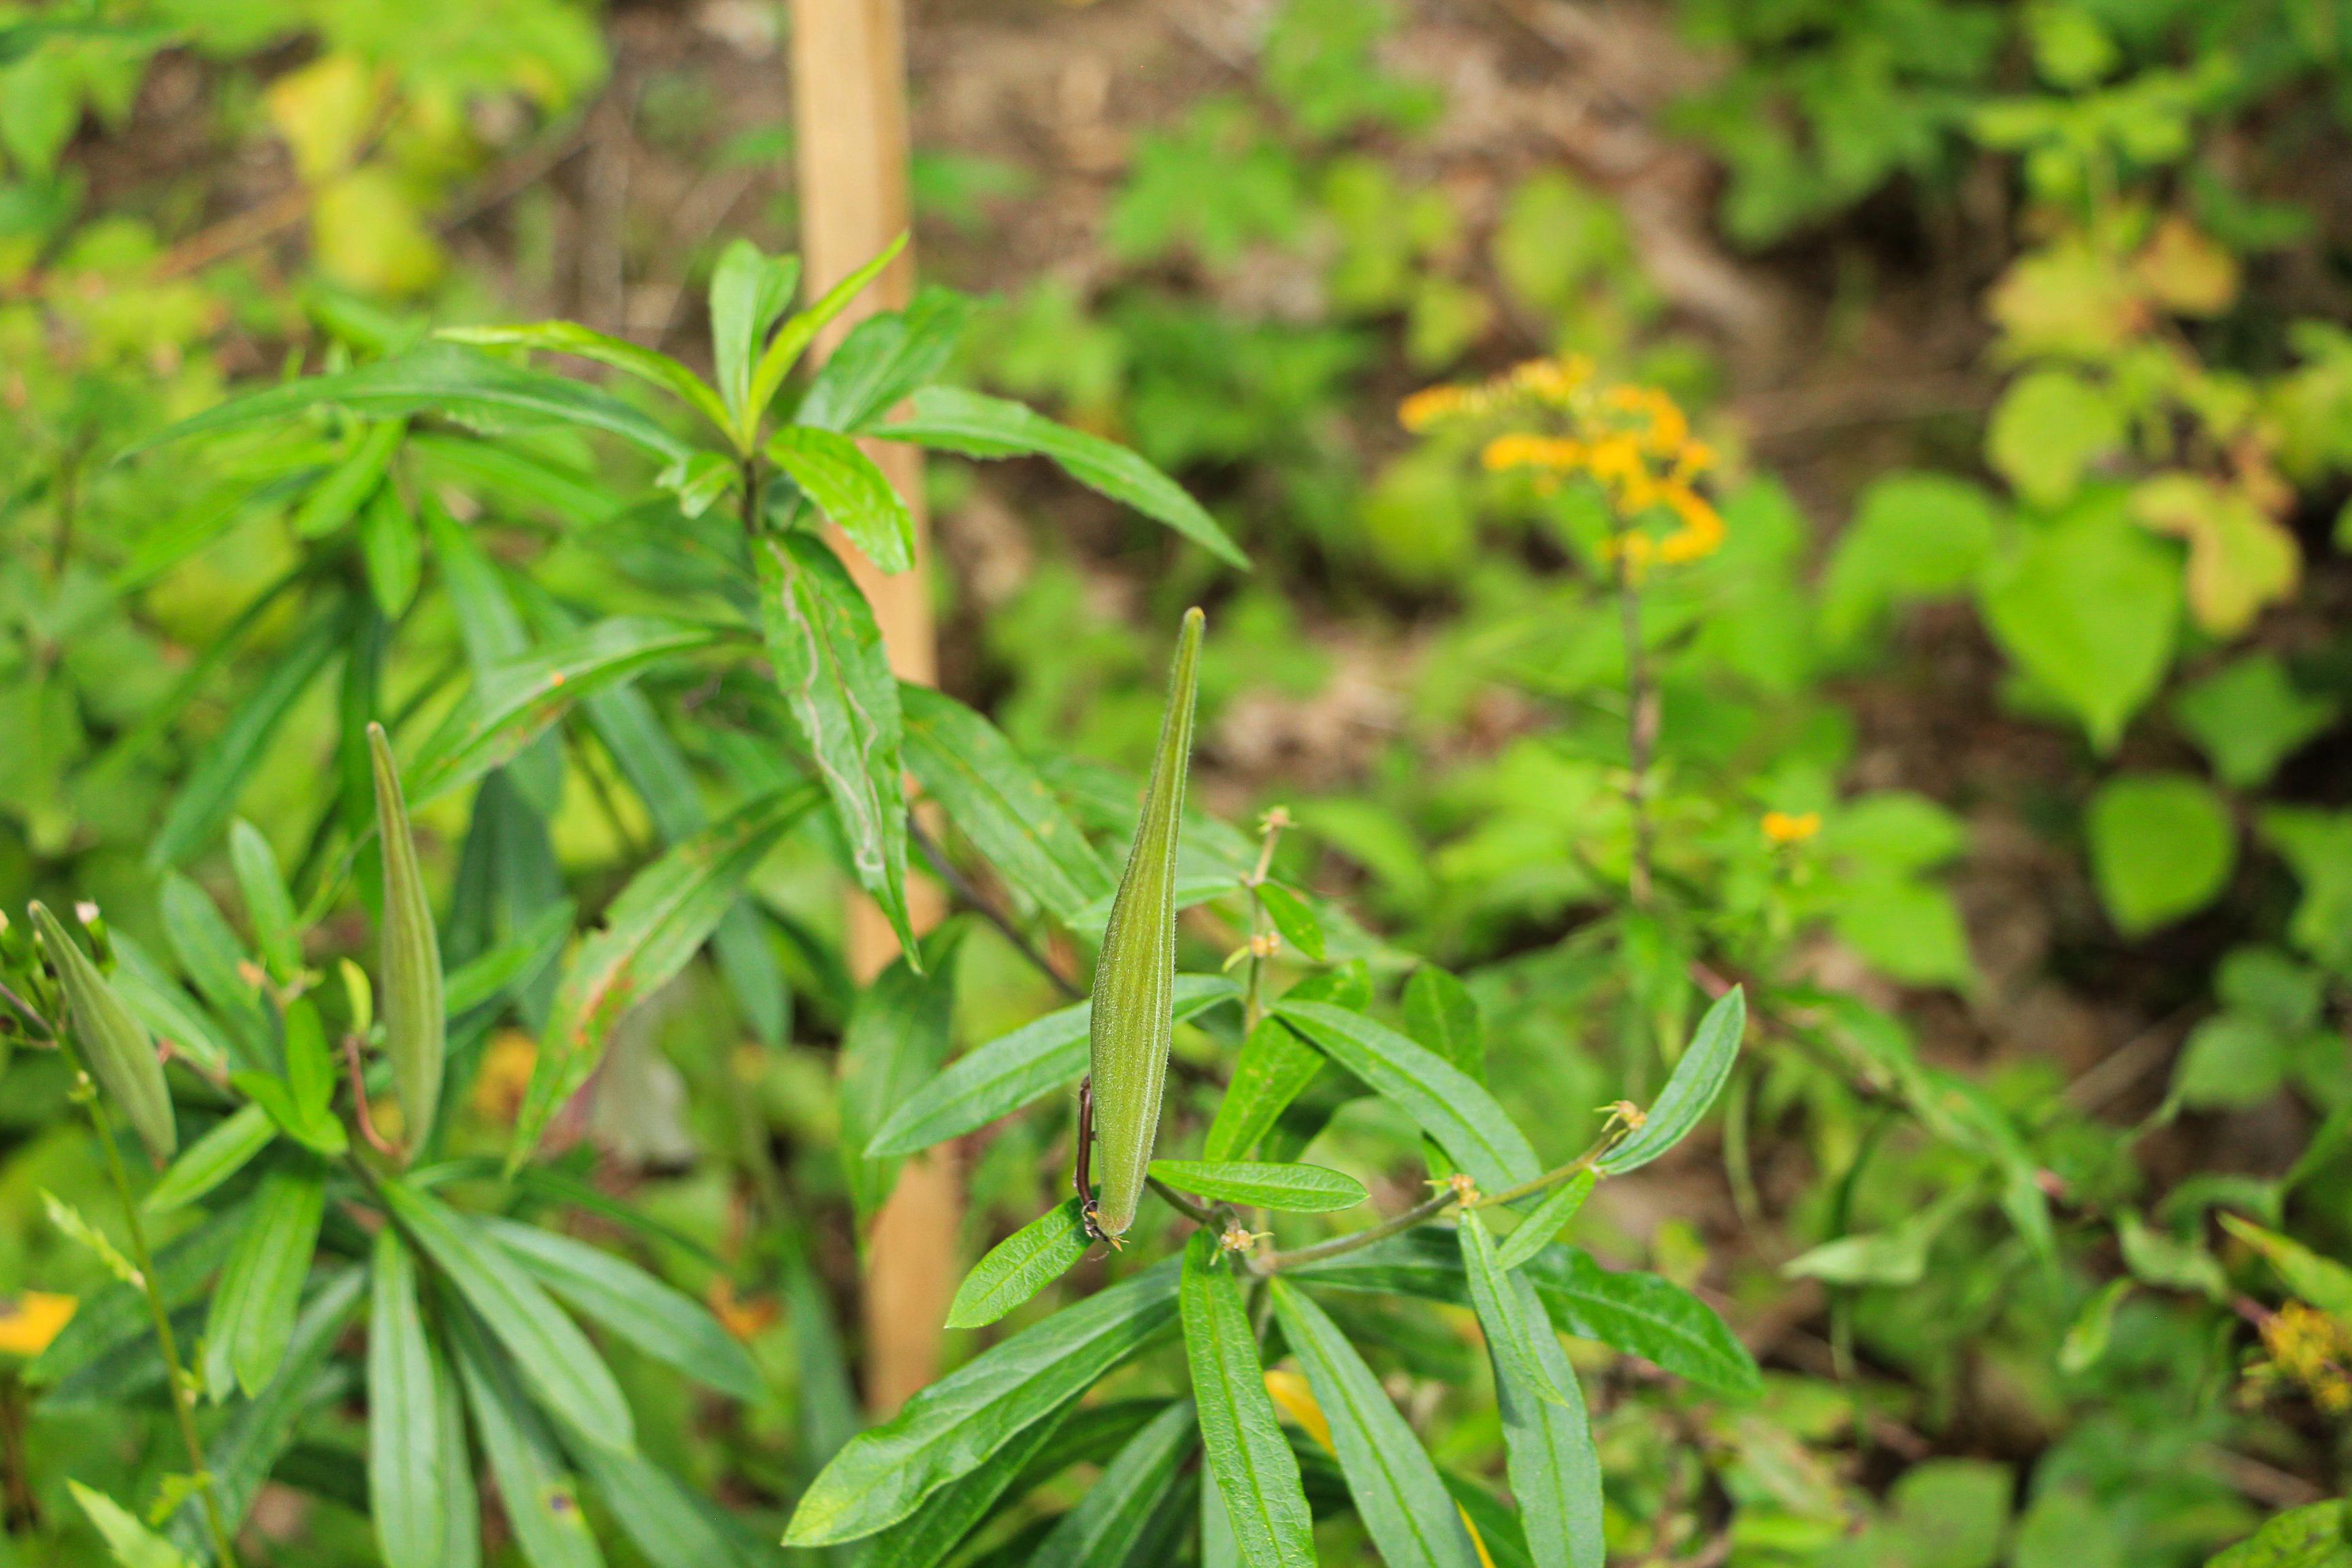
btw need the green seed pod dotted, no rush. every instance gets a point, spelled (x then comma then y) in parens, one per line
(1135, 981)
(414, 1028)
(112, 1043)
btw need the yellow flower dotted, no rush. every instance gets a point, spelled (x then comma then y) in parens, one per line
(1293, 1397)
(29, 1322)
(1790, 828)
(504, 1076)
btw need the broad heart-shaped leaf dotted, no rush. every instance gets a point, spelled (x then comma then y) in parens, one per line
(896, 1038)
(2250, 716)
(656, 1319)
(1641, 1314)
(1273, 1067)
(928, 1535)
(1546, 1220)
(542, 1505)
(556, 1360)
(849, 489)
(1446, 1102)
(2162, 846)
(950, 419)
(836, 680)
(1256, 1475)
(253, 1312)
(1404, 1506)
(952, 1426)
(408, 1387)
(884, 358)
(1555, 1470)
(586, 342)
(1294, 1189)
(796, 335)
(1022, 1264)
(440, 378)
(1510, 1337)
(213, 1159)
(1697, 1080)
(127, 1537)
(2088, 605)
(210, 790)
(1110, 1521)
(661, 918)
(994, 798)
(1013, 1069)
(511, 705)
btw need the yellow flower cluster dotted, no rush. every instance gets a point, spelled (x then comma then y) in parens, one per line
(1632, 441)
(2311, 1350)
(1790, 826)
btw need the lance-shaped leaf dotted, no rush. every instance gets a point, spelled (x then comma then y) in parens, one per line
(117, 1316)
(556, 1360)
(950, 419)
(748, 291)
(253, 1311)
(952, 1426)
(335, 498)
(1111, 1521)
(793, 339)
(1555, 1470)
(1255, 1473)
(441, 378)
(127, 1537)
(1697, 1079)
(111, 1043)
(268, 904)
(1275, 1067)
(928, 1535)
(154, 996)
(884, 358)
(1013, 1069)
(586, 342)
(896, 1038)
(836, 680)
(542, 1505)
(213, 1159)
(1510, 1338)
(661, 918)
(664, 1323)
(672, 1526)
(391, 549)
(1403, 1504)
(1446, 1102)
(1293, 918)
(408, 1487)
(1440, 1012)
(484, 979)
(1546, 1220)
(512, 705)
(849, 489)
(415, 1015)
(999, 803)
(1292, 1189)
(1135, 978)
(1020, 1265)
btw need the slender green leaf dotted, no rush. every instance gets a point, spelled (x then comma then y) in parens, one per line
(541, 1504)
(793, 338)
(1404, 1506)
(213, 1159)
(469, 387)
(664, 914)
(516, 479)
(748, 291)
(1440, 1012)
(1492, 1525)
(118, 1314)
(209, 955)
(1111, 1521)
(836, 680)
(1293, 918)
(556, 1360)
(408, 1491)
(252, 1320)
(1275, 1067)
(951, 1428)
(994, 798)
(1013, 1069)
(336, 498)
(2320, 1280)
(110, 1040)
(1294, 1189)
(928, 1535)
(849, 489)
(1446, 1102)
(414, 1006)
(663, 1322)
(1510, 1339)
(586, 342)
(268, 904)
(490, 976)
(1697, 1079)
(391, 549)
(509, 707)
(154, 996)
(210, 790)
(884, 358)
(951, 419)
(130, 1542)
(1546, 1220)
(896, 1038)
(1020, 1265)
(1256, 1474)
(672, 1526)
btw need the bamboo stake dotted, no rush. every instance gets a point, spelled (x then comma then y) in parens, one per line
(849, 99)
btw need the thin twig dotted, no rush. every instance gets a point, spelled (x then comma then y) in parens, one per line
(27, 1012)
(1641, 725)
(1183, 1204)
(1427, 1209)
(375, 1139)
(960, 885)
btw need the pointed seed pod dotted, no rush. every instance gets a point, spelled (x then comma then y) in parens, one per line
(1135, 982)
(113, 1045)
(414, 1027)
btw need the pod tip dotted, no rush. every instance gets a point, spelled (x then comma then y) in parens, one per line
(1195, 618)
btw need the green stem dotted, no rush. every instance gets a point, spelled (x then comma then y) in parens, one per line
(1185, 1206)
(1641, 724)
(1428, 1209)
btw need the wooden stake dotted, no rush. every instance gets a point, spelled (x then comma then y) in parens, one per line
(849, 99)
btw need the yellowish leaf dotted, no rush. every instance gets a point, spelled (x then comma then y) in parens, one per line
(324, 111)
(367, 233)
(2240, 558)
(2072, 299)
(2186, 271)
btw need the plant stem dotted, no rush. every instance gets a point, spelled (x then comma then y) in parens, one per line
(1182, 1204)
(1270, 834)
(1427, 1209)
(1641, 724)
(960, 885)
(183, 1400)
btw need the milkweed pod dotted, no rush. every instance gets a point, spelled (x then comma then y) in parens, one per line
(1135, 981)
(113, 1044)
(414, 1029)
